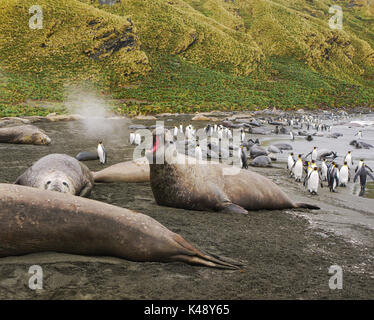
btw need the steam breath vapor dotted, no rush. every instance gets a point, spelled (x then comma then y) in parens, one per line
(94, 110)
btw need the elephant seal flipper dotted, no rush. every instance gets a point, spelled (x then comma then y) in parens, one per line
(306, 206)
(86, 191)
(226, 205)
(234, 208)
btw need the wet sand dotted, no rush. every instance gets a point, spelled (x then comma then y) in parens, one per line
(286, 254)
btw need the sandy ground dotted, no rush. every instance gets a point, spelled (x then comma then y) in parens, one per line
(286, 254)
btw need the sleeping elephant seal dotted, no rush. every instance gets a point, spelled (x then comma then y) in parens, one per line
(130, 171)
(261, 161)
(33, 220)
(58, 172)
(27, 134)
(87, 155)
(178, 182)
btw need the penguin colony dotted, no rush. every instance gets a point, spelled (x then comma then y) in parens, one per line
(313, 170)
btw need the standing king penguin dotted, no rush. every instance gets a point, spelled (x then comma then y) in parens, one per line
(101, 152)
(363, 173)
(313, 180)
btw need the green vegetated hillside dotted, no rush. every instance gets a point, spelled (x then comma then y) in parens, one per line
(190, 55)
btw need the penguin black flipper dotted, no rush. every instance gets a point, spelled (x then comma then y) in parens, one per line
(370, 175)
(356, 175)
(320, 177)
(306, 178)
(308, 155)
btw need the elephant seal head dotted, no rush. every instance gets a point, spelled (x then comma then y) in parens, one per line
(57, 181)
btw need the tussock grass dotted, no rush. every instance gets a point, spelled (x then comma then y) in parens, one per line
(189, 55)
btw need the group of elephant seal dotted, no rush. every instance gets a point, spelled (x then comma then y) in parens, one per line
(27, 134)
(32, 220)
(58, 172)
(37, 219)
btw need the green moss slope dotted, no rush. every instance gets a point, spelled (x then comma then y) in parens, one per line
(190, 55)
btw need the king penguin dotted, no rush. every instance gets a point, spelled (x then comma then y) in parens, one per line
(363, 173)
(101, 152)
(344, 175)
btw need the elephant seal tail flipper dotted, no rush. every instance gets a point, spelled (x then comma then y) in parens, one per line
(306, 206)
(194, 256)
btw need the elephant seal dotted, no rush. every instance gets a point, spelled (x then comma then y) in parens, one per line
(27, 134)
(257, 130)
(33, 221)
(360, 144)
(137, 126)
(284, 130)
(334, 135)
(180, 184)
(255, 123)
(58, 172)
(257, 150)
(274, 149)
(324, 153)
(86, 156)
(130, 171)
(261, 161)
(283, 146)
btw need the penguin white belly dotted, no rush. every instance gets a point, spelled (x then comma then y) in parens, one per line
(290, 163)
(344, 175)
(324, 173)
(313, 182)
(101, 154)
(132, 138)
(314, 155)
(298, 170)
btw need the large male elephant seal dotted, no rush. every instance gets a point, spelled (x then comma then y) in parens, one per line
(58, 172)
(130, 171)
(178, 182)
(27, 134)
(33, 221)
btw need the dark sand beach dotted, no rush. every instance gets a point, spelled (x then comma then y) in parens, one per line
(286, 254)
